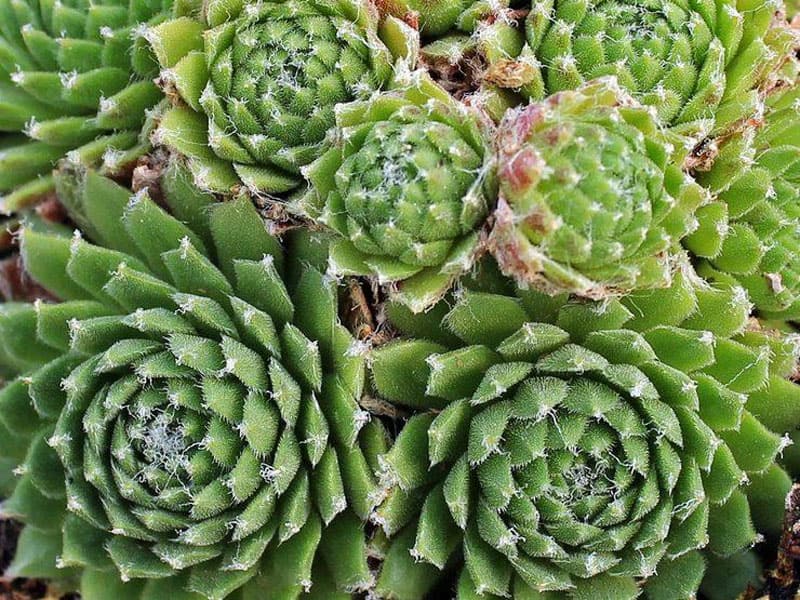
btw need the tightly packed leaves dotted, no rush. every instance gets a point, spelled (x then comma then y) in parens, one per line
(554, 236)
(189, 409)
(590, 200)
(699, 64)
(751, 233)
(408, 186)
(261, 82)
(75, 78)
(582, 448)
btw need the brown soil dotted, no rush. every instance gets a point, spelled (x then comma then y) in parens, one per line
(20, 589)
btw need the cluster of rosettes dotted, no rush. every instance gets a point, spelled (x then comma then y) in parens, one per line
(75, 78)
(751, 233)
(334, 119)
(559, 318)
(590, 200)
(190, 409)
(260, 82)
(585, 448)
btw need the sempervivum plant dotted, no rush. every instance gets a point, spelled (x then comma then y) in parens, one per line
(408, 185)
(568, 449)
(752, 231)
(187, 415)
(75, 77)
(590, 199)
(258, 83)
(699, 64)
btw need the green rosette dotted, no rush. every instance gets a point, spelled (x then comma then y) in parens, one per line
(408, 186)
(185, 422)
(591, 201)
(569, 449)
(701, 64)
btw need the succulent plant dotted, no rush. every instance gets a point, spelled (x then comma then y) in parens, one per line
(572, 449)
(591, 201)
(75, 78)
(408, 186)
(409, 298)
(699, 64)
(751, 232)
(186, 418)
(259, 82)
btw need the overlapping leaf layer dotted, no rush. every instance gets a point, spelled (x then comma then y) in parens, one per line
(751, 232)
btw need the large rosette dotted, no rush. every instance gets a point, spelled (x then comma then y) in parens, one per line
(189, 409)
(588, 449)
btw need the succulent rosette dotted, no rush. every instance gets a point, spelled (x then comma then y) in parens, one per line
(408, 185)
(186, 419)
(257, 84)
(75, 78)
(591, 201)
(571, 449)
(699, 64)
(751, 232)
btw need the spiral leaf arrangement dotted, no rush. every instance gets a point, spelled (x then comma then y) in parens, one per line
(591, 201)
(260, 82)
(75, 78)
(408, 187)
(189, 410)
(700, 64)
(751, 233)
(583, 448)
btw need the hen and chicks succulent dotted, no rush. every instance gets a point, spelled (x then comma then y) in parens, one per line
(408, 299)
